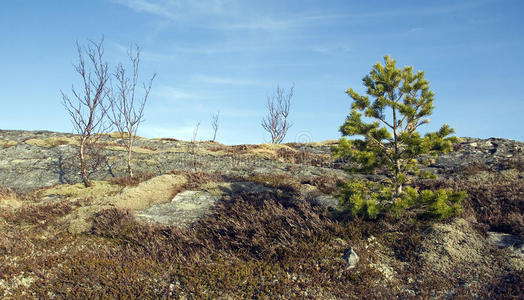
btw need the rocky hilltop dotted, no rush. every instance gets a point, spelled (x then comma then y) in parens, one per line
(35, 159)
(206, 220)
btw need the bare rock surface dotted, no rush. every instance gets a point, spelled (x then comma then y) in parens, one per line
(507, 241)
(457, 248)
(185, 208)
(492, 154)
(33, 159)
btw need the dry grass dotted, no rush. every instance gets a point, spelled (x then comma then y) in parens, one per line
(132, 180)
(7, 143)
(52, 141)
(97, 190)
(279, 152)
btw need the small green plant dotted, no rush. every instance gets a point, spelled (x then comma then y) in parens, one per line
(362, 199)
(401, 102)
(440, 204)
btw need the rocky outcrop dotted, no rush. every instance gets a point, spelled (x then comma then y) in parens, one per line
(490, 154)
(185, 208)
(34, 159)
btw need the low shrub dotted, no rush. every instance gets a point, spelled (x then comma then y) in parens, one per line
(132, 180)
(368, 200)
(255, 245)
(327, 185)
(283, 182)
(495, 199)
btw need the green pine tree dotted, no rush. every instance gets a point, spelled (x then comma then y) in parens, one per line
(398, 102)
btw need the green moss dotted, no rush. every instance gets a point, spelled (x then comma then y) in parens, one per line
(7, 143)
(52, 141)
(98, 189)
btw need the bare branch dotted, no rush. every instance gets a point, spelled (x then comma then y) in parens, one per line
(126, 111)
(276, 122)
(88, 106)
(214, 124)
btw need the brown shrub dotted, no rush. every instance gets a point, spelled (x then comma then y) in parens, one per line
(113, 222)
(284, 182)
(327, 185)
(304, 157)
(132, 180)
(39, 214)
(498, 203)
(6, 192)
(252, 246)
(247, 247)
(196, 178)
(169, 139)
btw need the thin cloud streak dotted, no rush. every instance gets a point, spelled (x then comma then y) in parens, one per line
(227, 81)
(175, 94)
(155, 8)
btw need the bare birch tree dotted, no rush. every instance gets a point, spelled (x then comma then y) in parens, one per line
(126, 108)
(276, 122)
(194, 144)
(214, 124)
(87, 107)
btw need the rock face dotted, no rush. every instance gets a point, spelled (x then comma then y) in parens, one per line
(35, 159)
(490, 154)
(185, 208)
(507, 241)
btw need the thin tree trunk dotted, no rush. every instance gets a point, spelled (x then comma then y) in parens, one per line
(83, 164)
(129, 168)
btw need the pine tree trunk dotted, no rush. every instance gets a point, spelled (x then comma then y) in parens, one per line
(398, 186)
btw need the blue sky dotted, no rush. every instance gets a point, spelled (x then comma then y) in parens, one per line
(229, 55)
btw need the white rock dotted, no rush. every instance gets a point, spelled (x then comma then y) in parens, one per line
(351, 258)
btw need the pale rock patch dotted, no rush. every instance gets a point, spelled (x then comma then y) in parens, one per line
(148, 193)
(185, 208)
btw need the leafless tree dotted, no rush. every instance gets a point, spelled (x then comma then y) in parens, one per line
(214, 124)
(126, 109)
(194, 146)
(276, 122)
(87, 107)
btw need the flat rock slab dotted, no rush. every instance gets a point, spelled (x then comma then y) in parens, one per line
(508, 241)
(184, 209)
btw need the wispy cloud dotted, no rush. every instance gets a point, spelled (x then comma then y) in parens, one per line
(175, 94)
(223, 14)
(159, 8)
(227, 80)
(282, 23)
(332, 49)
(177, 10)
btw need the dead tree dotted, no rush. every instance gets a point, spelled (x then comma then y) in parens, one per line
(214, 124)
(87, 107)
(276, 122)
(194, 143)
(126, 109)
